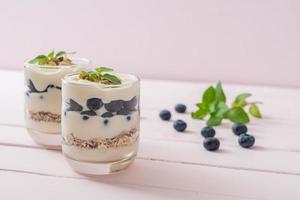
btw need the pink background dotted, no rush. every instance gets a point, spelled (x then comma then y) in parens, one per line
(249, 41)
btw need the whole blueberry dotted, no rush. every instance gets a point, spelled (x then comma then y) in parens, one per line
(165, 115)
(85, 117)
(179, 125)
(94, 103)
(246, 141)
(211, 144)
(180, 108)
(114, 106)
(128, 118)
(74, 106)
(123, 112)
(105, 121)
(88, 112)
(208, 132)
(239, 129)
(131, 104)
(107, 115)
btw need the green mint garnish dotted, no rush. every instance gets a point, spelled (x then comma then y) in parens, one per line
(52, 58)
(213, 105)
(100, 75)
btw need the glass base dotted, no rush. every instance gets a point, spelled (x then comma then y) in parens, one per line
(47, 140)
(99, 168)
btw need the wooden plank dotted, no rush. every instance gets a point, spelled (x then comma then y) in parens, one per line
(229, 156)
(146, 173)
(36, 186)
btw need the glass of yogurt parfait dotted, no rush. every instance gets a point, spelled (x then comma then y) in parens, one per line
(100, 122)
(43, 76)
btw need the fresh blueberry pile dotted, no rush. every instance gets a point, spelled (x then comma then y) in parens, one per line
(179, 125)
(210, 143)
(113, 108)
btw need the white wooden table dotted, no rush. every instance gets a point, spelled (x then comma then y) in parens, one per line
(169, 165)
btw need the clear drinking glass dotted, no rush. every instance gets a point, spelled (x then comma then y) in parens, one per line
(43, 100)
(100, 124)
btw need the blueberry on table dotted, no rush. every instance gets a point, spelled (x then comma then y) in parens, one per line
(246, 141)
(165, 115)
(180, 108)
(211, 144)
(208, 132)
(179, 125)
(239, 129)
(94, 103)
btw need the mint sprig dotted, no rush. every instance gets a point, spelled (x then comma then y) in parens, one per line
(52, 58)
(213, 106)
(100, 75)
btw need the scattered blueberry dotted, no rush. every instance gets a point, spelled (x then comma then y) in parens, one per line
(246, 141)
(94, 103)
(105, 121)
(65, 113)
(85, 117)
(180, 108)
(114, 106)
(211, 144)
(41, 97)
(89, 113)
(239, 129)
(74, 106)
(208, 132)
(179, 125)
(107, 114)
(165, 115)
(128, 118)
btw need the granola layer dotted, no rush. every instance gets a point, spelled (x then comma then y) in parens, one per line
(44, 116)
(126, 138)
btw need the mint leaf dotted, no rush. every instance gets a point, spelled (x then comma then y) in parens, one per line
(51, 55)
(237, 115)
(209, 95)
(199, 114)
(39, 59)
(103, 69)
(220, 96)
(214, 121)
(222, 108)
(240, 100)
(60, 54)
(254, 111)
(111, 78)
